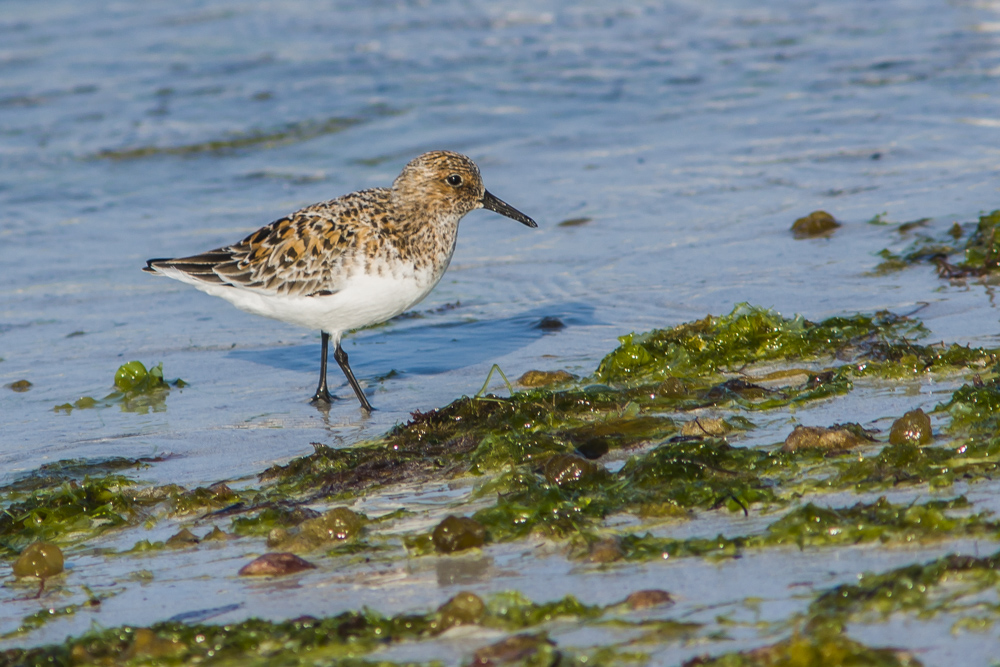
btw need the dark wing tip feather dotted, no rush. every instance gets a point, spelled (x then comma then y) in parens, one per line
(150, 268)
(202, 267)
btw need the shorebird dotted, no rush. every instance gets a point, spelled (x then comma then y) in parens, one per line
(357, 260)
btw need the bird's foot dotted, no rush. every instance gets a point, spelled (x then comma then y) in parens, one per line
(322, 397)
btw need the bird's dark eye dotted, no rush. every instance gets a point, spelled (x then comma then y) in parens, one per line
(454, 179)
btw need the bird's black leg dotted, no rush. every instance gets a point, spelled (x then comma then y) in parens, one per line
(322, 393)
(341, 358)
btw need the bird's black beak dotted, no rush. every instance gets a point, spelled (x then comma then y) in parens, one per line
(503, 208)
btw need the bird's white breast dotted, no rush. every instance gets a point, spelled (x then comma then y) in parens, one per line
(365, 297)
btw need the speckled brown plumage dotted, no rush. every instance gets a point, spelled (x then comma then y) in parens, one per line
(352, 261)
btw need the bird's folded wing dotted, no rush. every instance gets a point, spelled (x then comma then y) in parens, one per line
(298, 255)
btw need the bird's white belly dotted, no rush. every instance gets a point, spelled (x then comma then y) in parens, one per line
(362, 300)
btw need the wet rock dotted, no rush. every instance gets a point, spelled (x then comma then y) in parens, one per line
(199, 499)
(549, 323)
(711, 427)
(221, 491)
(816, 223)
(543, 378)
(647, 599)
(914, 427)
(818, 437)
(597, 438)
(563, 469)
(339, 523)
(661, 510)
(295, 515)
(593, 449)
(458, 533)
(518, 648)
(464, 609)
(737, 387)
(275, 564)
(671, 388)
(335, 525)
(147, 644)
(183, 538)
(605, 551)
(41, 559)
(217, 534)
(20, 386)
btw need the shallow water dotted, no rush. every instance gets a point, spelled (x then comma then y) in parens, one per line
(691, 134)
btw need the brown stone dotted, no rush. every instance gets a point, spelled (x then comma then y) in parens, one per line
(464, 609)
(913, 427)
(458, 533)
(564, 469)
(605, 551)
(816, 223)
(40, 559)
(183, 538)
(147, 644)
(713, 427)
(647, 599)
(818, 437)
(511, 649)
(275, 564)
(543, 378)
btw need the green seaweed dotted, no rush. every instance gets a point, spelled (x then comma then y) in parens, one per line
(138, 389)
(879, 345)
(522, 436)
(36, 620)
(900, 464)
(925, 589)
(539, 453)
(811, 526)
(980, 253)
(811, 650)
(678, 369)
(272, 516)
(69, 511)
(975, 408)
(668, 480)
(66, 470)
(340, 640)
(513, 611)
(982, 250)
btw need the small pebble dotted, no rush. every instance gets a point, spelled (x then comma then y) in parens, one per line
(41, 559)
(147, 644)
(913, 427)
(511, 649)
(647, 599)
(605, 551)
(709, 427)
(464, 609)
(818, 437)
(458, 533)
(816, 223)
(275, 564)
(563, 469)
(183, 538)
(543, 378)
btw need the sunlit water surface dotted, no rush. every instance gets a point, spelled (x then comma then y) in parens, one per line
(691, 134)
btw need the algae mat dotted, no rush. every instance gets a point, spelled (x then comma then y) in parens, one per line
(569, 521)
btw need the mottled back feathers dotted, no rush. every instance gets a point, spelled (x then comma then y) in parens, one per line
(314, 250)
